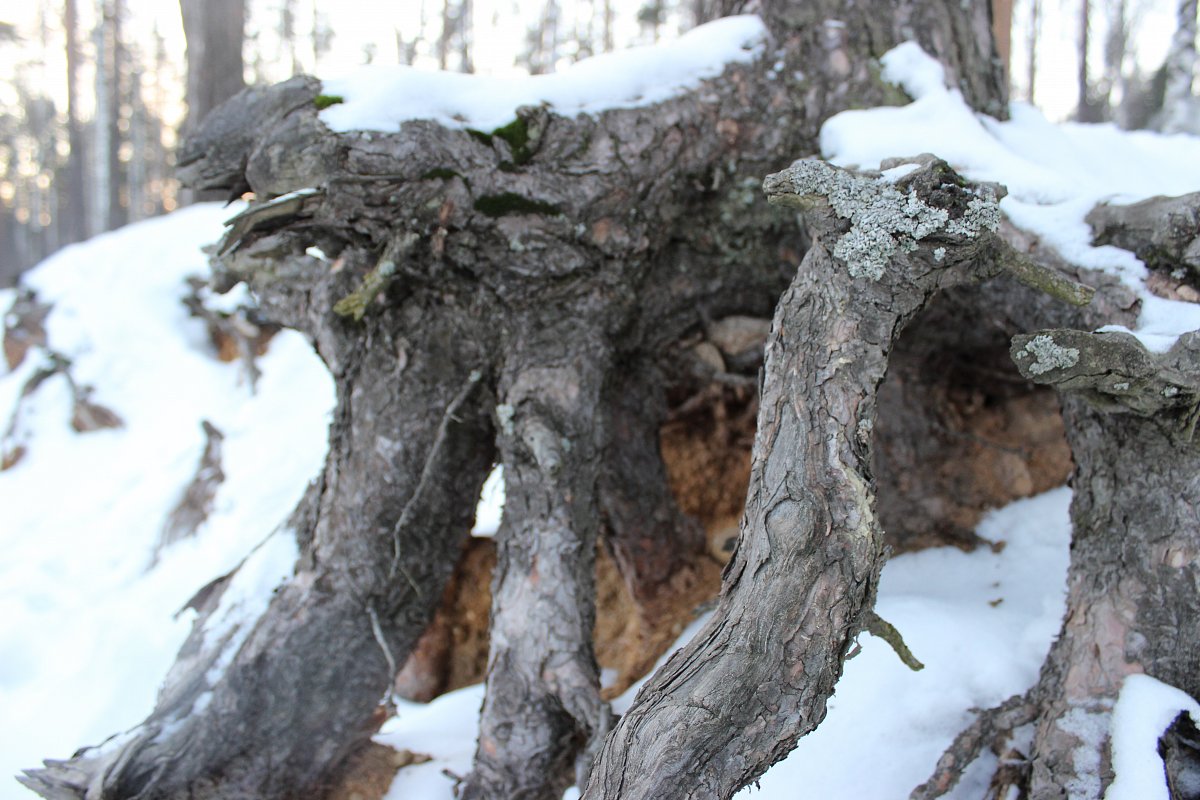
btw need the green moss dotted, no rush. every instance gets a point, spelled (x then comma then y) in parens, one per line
(356, 303)
(516, 133)
(440, 173)
(480, 136)
(499, 205)
(324, 101)
(893, 95)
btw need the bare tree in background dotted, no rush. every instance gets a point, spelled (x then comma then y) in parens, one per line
(75, 215)
(455, 37)
(215, 33)
(1116, 49)
(1180, 69)
(1087, 110)
(1035, 25)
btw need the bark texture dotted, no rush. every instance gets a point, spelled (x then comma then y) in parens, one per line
(736, 699)
(1164, 232)
(482, 295)
(1133, 584)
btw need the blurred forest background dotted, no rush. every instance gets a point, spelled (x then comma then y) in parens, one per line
(95, 94)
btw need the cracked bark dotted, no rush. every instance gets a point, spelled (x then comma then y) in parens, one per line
(1133, 584)
(739, 695)
(644, 222)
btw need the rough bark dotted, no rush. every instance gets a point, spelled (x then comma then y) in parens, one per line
(378, 536)
(1164, 232)
(1133, 586)
(455, 261)
(543, 682)
(648, 537)
(736, 699)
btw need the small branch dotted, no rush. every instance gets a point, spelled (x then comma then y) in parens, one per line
(879, 627)
(1114, 371)
(988, 727)
(1043, 278)
(377, 630)
(439, 440)
(355, 304)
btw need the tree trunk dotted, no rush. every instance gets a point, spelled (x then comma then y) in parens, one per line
(76, 207)
(1180, 68)
(484, 298)
(215, 32)
(736, 699)
(1133, 584)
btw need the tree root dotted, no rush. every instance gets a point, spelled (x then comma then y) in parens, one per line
(991, 728)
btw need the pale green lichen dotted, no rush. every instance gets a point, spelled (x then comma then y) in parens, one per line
(883, 219)
(504, 416)
(356, 303)
(1047, 355)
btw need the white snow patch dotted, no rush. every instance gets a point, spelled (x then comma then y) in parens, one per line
(1055, 174)
(87, 632)
(1145, 709)
(490, 509)
(977, 652)
(896, 173)
(247, 596)
(907, 66)
(380, 98)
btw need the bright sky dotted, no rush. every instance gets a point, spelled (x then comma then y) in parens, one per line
(500, 27)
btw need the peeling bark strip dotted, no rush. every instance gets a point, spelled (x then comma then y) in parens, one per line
(736, 699)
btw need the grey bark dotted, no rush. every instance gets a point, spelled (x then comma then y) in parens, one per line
(1133, 586)
(1164, 232)
(458, 264)
(543, 682)
(647, 536)
(378, 535)
(739, 695)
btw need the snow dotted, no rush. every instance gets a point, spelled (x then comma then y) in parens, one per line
(380, 98)
(87, 630)
(1145, 709)
(491, 505)
(1055, 174)
(981, 622)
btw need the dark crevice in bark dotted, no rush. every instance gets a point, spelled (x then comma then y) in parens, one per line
(1179, 748)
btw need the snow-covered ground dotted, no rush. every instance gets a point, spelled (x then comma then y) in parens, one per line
(88, 629)
(981, 622)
